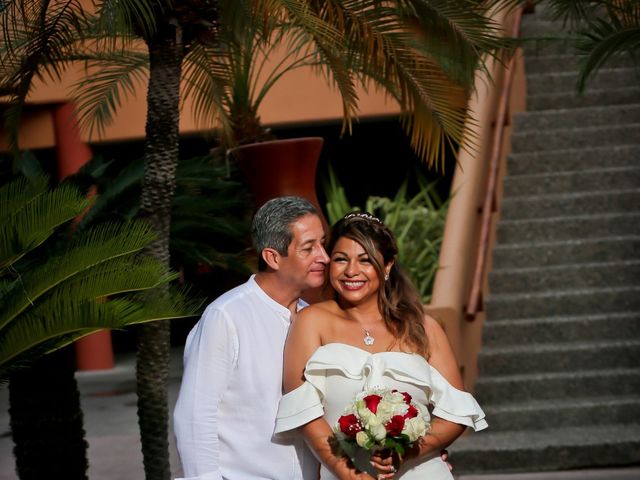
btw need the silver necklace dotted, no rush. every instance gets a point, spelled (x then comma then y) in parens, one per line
(368, 339)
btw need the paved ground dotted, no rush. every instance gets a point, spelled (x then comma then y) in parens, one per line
(109, 405)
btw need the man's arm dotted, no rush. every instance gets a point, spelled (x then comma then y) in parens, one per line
(209, 359)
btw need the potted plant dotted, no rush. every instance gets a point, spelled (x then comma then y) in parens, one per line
(423, 58)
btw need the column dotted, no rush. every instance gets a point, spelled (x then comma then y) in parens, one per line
(95, 351)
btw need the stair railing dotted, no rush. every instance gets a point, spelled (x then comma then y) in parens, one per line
(468, 234)
(490, 205)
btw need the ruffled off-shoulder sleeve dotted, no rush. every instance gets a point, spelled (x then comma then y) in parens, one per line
(304, 404)
(298, 407)
(455, 405)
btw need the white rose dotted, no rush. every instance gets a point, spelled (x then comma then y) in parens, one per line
(414, 428)
(362, 438)
(386, 410)
(378, 432)
(371, 421)
(366, 416)
(395, 398)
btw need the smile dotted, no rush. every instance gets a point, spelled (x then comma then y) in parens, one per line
(353, 285)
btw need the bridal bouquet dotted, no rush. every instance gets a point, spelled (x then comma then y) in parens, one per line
(380, 419)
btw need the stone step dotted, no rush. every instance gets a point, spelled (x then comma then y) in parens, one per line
(541, 26)
(570, 328)
(580, 275)
(565, 117)
(531, 415)
(506, 389)
(602, 178)
(566, 204)
(605, 96)
(568, 160)
(562, 252)
(563, 302)
(543, 36)
(568, 81)
(542, 63)
(575, 137)
(547, 448)
(535, 63)
(559, 357)
(568, 228)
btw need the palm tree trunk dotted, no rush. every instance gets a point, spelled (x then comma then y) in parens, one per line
(47, 421)
(161, 158)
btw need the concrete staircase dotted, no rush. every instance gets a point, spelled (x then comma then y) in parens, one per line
(560, 364)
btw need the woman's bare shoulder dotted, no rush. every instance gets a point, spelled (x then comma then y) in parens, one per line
(319, 317)
(321, 309)
(432, 326)
(435, 332)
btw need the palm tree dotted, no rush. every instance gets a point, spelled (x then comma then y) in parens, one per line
(52, 292)
(423, 53)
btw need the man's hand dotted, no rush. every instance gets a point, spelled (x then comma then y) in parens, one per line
(444, 455)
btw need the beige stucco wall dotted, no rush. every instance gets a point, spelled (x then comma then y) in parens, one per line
(300, 96)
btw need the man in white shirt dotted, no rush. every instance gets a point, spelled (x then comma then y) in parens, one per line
(232, 381)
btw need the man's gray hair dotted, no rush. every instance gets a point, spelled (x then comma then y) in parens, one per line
(271, 227)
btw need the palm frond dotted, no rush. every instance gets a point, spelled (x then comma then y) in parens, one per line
(117, 16)
(429, 75)
(207, 81)
(462, 31)
(97, 246)
(604, 39)
(115, 277)
(115, 195)
(29, 214)
(65, 319)
(38, 41)
(111, 79)
(573, 13)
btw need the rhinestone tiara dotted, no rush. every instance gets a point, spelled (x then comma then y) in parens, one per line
(365, 215)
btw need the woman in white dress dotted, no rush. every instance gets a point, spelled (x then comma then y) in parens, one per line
(374, 334)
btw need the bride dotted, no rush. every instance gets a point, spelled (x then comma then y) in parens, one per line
(374, 334)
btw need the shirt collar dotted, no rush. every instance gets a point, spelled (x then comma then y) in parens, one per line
(278, 308)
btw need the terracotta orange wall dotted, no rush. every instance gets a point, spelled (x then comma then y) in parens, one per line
(299, 96)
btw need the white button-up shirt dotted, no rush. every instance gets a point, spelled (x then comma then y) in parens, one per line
(232, 382)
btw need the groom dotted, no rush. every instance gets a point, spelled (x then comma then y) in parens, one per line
(232, 381)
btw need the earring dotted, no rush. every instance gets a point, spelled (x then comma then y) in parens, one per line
(386, 277)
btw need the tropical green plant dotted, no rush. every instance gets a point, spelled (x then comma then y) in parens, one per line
(423, 53)
(600, 30)
(55, 288)
(209, 217)
(417, 222)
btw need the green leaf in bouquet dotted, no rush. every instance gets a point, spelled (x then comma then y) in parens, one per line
(359, 456)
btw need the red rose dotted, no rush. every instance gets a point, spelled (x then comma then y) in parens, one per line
(372, 401)
(395, 425)
(407, 397)
(349, 425)
(411, 413)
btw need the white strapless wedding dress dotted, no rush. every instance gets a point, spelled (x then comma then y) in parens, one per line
(337, 371)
